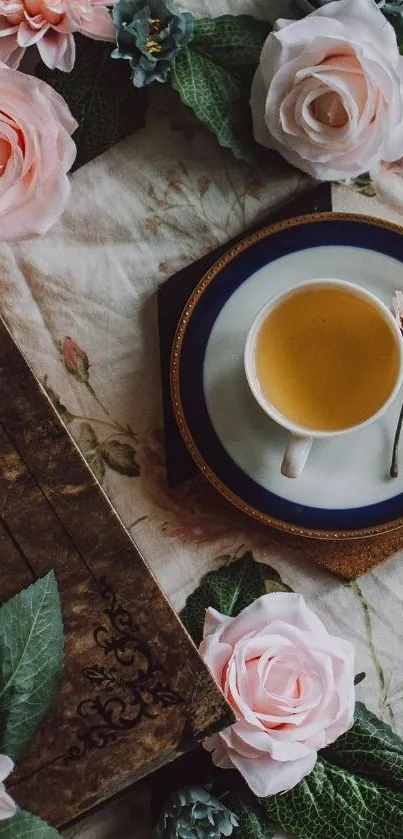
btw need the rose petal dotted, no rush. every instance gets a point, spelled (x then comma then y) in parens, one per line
(6, 767)
(216, 656)
(266, 776)
(220, 756)
(98, 25)
(57, 50)
(7, 805)
(213, 621)
(267, 609)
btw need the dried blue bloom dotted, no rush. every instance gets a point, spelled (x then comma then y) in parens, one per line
(192, 813)
(150, 34)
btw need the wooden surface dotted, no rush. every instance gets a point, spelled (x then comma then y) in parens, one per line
(135, 693)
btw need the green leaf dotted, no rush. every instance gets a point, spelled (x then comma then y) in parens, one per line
(120, 457)
(332, 803)
(101, 97)
(253, 822)
(233, 42)
(371, 749)
(229, 590)
(213, 76)
(27, 826)
(89, 445)
(31, 662)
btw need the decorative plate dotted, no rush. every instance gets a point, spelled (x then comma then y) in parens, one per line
(345, 490)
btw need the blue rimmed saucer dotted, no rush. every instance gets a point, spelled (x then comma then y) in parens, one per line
(345, 491)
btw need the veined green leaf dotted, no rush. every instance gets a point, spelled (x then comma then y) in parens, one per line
(31, 662)
(332, 803)
(27, 826)
(101, 97)
(370, 749)
(213, 77)
(232, 41)
(253, 822)
(229, 590)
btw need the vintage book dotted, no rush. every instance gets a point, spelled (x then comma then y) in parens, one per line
(135, 694)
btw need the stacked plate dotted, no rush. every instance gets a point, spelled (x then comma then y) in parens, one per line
(345, 490)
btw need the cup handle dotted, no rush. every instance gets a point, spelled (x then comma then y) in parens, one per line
(296, 456)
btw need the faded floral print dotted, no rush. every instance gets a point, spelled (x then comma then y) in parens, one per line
(386, 185)
(100, 448)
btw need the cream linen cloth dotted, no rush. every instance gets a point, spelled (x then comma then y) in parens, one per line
(137, 214)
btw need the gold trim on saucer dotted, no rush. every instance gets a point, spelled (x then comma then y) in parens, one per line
(187, 313)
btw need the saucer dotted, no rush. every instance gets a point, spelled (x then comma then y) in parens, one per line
(345, 490)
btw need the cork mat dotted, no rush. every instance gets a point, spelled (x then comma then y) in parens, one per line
(349, 558)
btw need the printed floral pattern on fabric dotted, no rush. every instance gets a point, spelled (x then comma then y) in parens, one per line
(113, 450)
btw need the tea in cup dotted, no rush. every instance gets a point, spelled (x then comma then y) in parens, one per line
(322, 359)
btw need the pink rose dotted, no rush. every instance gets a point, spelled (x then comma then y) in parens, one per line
(50, 25)
(290, 683)
(36, 151)
(7, 805)
(328, 92)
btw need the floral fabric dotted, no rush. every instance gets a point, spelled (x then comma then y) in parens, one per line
(81, 304)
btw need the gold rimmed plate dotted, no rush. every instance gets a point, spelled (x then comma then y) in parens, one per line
(345, 491)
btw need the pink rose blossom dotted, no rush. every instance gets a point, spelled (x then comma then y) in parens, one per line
(328, 92)
(50, 25)
(7, 805)
(290, 683)
(36, 152)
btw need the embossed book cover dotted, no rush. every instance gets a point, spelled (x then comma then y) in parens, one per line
(135, 693)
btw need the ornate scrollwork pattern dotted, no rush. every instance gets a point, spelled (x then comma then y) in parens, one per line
(133, 688)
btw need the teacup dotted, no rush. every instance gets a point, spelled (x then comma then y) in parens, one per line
(323, 359)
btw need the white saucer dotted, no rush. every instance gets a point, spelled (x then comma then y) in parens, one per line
(345, 490)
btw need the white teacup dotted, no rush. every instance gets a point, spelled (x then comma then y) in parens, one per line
(302, 438)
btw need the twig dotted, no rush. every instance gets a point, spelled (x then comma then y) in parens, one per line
(394, 469)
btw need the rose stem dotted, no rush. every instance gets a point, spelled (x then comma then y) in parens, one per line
(394, 469)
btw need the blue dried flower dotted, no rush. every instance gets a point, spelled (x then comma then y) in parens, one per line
(150, 34)
(192, 813)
